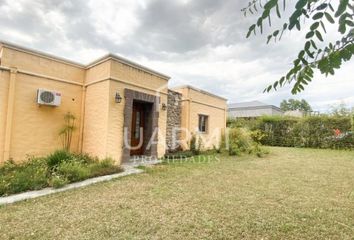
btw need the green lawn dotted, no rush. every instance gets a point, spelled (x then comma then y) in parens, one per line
(290, 194)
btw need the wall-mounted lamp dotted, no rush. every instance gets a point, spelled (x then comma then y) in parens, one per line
(164, 107)
(118, 98)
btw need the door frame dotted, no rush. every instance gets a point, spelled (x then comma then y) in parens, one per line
(131, 96)
(139, 109)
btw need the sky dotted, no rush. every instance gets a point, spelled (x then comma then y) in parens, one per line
(197, 42)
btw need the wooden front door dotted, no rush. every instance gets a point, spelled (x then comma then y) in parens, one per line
(137, 130)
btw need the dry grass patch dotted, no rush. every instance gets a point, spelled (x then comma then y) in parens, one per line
(290, 194)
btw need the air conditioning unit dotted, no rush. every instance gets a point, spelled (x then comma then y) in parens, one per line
(48, 97)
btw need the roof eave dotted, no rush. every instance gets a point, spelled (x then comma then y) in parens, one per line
(199, 90)
(76, 64)
(123, 60)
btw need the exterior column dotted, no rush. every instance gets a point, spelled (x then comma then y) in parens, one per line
(9, 114)
(82, 119)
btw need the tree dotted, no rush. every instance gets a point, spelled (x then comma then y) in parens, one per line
(293, 104)
(340, 110)
(314, 55)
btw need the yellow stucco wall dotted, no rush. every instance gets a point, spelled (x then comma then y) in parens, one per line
(98, 72)
(138, 77)
(96, 119)
(196, 102)
(88, 93)
(104, 118)
(4, 87)
(35, 128)
(34, 63)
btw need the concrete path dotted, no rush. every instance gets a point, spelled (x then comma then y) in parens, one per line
(129, 169)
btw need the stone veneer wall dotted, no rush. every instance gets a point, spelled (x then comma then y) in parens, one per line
(173, 119)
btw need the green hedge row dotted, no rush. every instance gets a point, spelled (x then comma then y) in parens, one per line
(313, 131)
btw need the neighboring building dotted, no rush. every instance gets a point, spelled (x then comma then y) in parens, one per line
(203, 114)
(117, 103)
(252, 109)
(295, 113)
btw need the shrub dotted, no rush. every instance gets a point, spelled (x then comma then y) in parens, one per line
(260, 151)
(56, 170)
(84, 158)
(311, 131)
(217, 149)
(58, 157)
(104, 167)
(30, 175)
(241, 141)
(73, 171)
(58, 181)
(195, 144)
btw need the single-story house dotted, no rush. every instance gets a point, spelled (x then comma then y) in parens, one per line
(122, 108)
(203, 112)
(252, 109)
(295, 113)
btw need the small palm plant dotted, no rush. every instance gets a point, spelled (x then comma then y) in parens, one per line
(66, 133)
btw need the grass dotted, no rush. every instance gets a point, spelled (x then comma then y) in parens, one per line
(290, 194)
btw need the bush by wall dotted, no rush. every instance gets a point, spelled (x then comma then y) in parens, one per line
(313, 131)
(55, 170)
(242, 140)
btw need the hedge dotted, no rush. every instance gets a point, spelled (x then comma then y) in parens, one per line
(312, 131)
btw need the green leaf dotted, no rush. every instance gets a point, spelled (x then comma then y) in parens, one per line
(307, 45)
(270, 4)
(349, 23)
(293, 20)
(345, 54)
(277, 10)
(275, 85)
(313, 44)
(260, 24)
(301, 4)
(282, 81)
(265, 14)
(284, 27)
(317, 16)
(342, 28)
(329, 17)
(303, 60)
(319, 36)
(342, 7)
(301, 54)
(269, 88)
(310, 34)
(322, 6)
(250, 30)
(314, 26)
(269, 38)
(323, 27)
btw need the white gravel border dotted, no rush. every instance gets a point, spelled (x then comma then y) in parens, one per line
(128, 170)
